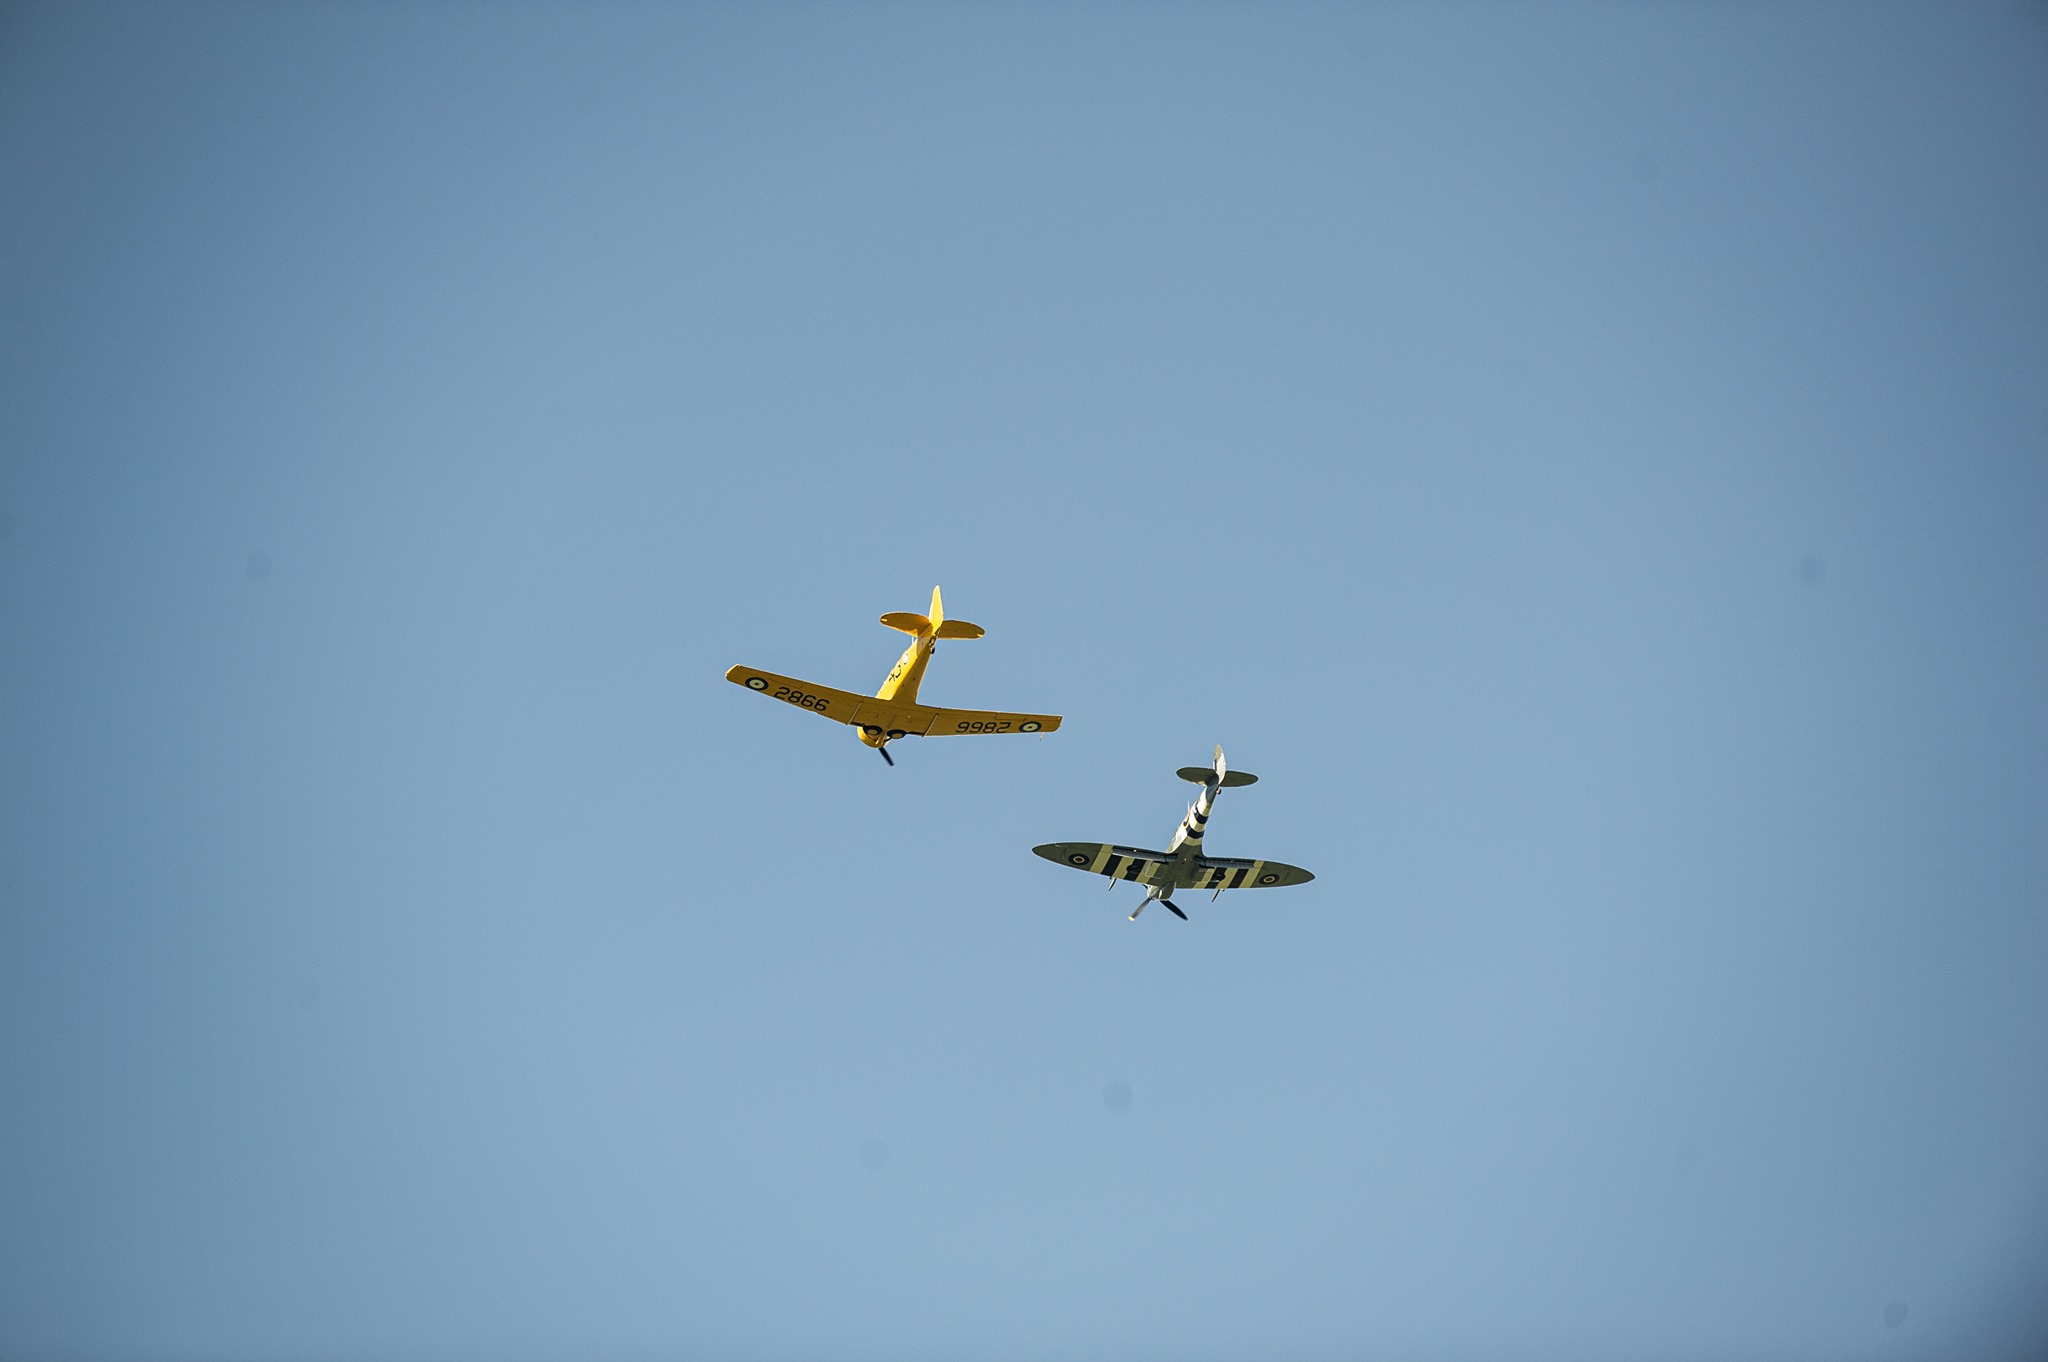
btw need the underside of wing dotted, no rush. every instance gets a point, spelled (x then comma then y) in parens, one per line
(1104, 858)
(949, 722)
(892, 718)
(1228, 872)
(838, 705)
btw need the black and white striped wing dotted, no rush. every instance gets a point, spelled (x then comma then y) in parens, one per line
(1103, 858)
(1229, 872)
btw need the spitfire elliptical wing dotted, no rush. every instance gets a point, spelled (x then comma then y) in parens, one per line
(1218, 872)
(1104, 858)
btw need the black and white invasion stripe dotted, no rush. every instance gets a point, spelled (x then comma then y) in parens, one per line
(1197, 820)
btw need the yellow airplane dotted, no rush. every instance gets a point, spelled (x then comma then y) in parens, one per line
(893, 711)
(1183, 864)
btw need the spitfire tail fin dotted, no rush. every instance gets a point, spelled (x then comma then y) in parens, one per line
(1216, 774)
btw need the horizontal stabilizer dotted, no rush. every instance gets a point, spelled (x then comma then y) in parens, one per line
(1202, 775)
(903, 622)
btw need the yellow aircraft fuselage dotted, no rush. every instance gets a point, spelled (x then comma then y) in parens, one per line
(904, 678)
(908, 674)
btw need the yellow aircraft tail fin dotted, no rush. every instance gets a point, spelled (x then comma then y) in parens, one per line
(945, 628)
(935, 624)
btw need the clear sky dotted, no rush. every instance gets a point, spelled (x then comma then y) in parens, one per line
(1590, 462)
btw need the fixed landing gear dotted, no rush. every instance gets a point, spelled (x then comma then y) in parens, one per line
(875, 736)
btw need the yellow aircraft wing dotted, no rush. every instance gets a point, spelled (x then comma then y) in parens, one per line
(949, 722)
(837, 705)
(892, 717)
(877, 717)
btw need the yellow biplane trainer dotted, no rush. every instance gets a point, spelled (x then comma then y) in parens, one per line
(1183, 865)
(893, 711)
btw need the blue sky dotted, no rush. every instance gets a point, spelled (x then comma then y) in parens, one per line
(1590, 461)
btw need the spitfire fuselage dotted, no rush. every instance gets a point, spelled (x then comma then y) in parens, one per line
(1186, 846)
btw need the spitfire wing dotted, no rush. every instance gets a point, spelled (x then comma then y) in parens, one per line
(838, 705)
(1104, 858)
(1226, 872)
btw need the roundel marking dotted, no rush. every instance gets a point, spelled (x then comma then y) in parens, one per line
(1028, 726)
(1268, 878)
(1077, 859)
(756, 683)
(895, 732)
